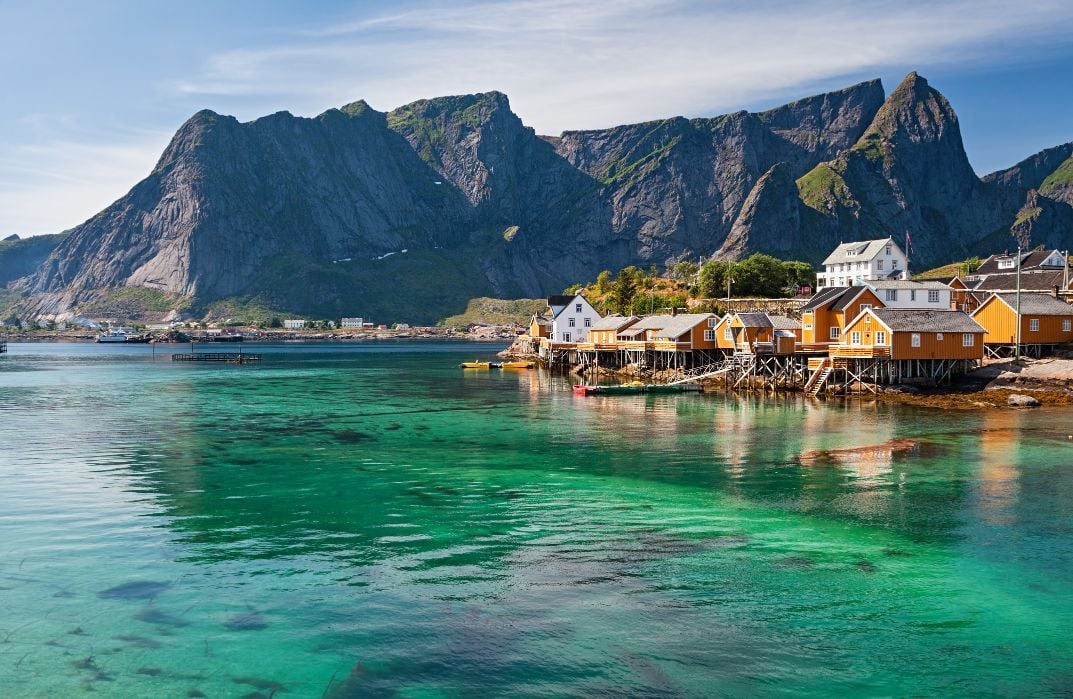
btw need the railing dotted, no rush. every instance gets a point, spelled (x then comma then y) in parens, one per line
(866, 351)
(671, 345)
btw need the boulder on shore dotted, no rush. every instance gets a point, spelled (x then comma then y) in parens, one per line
(1019, 400)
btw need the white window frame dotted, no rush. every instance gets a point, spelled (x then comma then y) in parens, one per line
(968, 340)
(881, 337)
(912, 294)
(835, 332)
(938, 337)
(588, 322)
(1005, 264)
(709, 335)
(855, 338)
(712, 322)
(879, 264)
(1033, 325)
(933, 296)
(571, 322)
(566, 337)
(892, 294)
(728, 333)
(914, 340)
(577, 308)
(865, 307)
(1067, 325)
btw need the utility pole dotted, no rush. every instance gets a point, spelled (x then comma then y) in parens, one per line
(1017, 348)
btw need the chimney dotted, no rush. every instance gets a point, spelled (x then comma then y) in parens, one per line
(674, 310)
(1054, 291)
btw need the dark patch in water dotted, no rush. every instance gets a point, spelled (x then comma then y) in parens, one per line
(393, 426)
(195, 694)
(895, 552)
(250, 621)
(77, 631)
(350, 436)
(242, 461)
(64, 594)
(259, 683)
(139, 589)
(865, 566)
(154, 615)
(421, 427)
(150, 671)
(86, 664)
(796, 562)
(139, 641)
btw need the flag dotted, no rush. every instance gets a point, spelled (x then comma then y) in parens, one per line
(908, 241)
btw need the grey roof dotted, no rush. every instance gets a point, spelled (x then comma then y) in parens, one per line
(862, 249)
(823, 297)
(682, 324)
(784, 323)
(929, 284)
(1038, 304)
(613, 322)
(912, 320)
(755, 320)
(1033, 259)
(1039, 280)
(559, 300)
(656, 322)
(847, 297)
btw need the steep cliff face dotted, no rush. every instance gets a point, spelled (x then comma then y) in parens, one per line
(407, 215)
(908, 172)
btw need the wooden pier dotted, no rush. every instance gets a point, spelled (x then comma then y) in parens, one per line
(219, 357)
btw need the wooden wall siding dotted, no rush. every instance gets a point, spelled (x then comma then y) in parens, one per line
(824, 319)
(901, 343)
(1000, 321)
(602, 337)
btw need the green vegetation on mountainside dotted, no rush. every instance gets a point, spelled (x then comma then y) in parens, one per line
(496, 312)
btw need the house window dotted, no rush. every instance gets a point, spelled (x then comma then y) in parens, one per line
(914, 339)
(728, 334)
(712, 322)
(892, 294)
(968, 339)
(881, 337)
(888, 250)
(572, 322)
(1065, 325)
(865, 306)
(912, 294)
(855, 338)
(588, 322)
(933, 297)
(836, 332)
(938, 337)
(1005, 264)
(709, 335)
(879, 264)
(577, 308)
(1033, 325)
(566, 337)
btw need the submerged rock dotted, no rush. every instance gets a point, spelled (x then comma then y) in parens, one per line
(1020, 400)
(250, 621)
(138, 589)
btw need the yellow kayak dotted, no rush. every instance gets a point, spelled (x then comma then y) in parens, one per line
(480, 365)
(517, 365)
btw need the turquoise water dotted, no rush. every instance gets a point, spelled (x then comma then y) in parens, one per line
(370, 520)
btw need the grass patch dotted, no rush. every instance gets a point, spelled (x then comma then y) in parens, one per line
(134, 303)
(496, 311)
(1061, 177)
(822, 187)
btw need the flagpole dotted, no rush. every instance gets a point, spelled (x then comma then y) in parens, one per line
(1017, 348)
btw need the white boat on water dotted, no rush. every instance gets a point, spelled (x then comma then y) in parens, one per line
(121, 335)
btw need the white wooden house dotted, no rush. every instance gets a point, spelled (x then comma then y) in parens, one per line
(864, 260)
(572, 318)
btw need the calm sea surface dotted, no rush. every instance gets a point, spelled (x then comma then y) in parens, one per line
(370, 520)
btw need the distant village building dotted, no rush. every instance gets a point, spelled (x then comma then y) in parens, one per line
(352, 322)
(905, 293)
(863, 261)
(294, 324)
(572, 318)
(1031, 260)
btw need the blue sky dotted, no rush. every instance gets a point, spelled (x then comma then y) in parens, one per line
(93, 91)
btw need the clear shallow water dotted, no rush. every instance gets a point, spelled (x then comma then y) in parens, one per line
(369, 520)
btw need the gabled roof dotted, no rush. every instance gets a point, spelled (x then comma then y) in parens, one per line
(559, 300)
(784, 323)
(682, 324)
(926, 285)
(754, 320)
(1036, 280)
(1036, 304)
(913, 320)
(1032, 259)
(823, 297)
(614, 322)
(656, 322)
(858, 251)
(569, 300)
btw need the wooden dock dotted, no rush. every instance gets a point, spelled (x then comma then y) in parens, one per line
(225, 357)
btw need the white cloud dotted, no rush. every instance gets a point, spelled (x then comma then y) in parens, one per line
(51, 186)
(569, 64)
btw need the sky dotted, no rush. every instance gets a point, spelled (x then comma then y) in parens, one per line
(93, 91)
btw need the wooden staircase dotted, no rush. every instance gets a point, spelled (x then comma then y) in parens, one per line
(819, 377)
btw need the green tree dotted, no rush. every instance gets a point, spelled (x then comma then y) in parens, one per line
(275, 322)
(603, 281)
(572, 289)
(624, 289)
(759, 275)
(798, 273)
(712, 278)
(685, 271)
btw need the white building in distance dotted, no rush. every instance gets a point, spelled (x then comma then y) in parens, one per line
(352, 322)
(905, 293)
(866, 260)
(294, 324)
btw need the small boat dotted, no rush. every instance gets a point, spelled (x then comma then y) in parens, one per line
(482, 365)
(632, 388)
(517, 365)
(122, 336)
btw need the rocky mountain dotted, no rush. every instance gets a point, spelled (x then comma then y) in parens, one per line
(406, 215)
